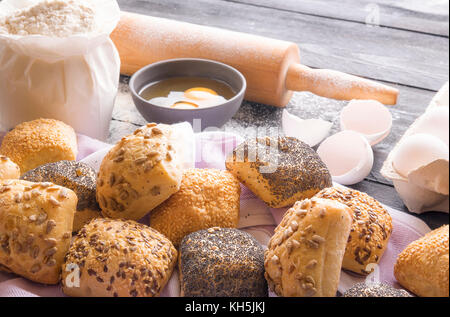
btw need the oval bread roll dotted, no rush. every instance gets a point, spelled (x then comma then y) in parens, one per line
(139, 173)
(371, 228)
(279, 171)
(115, 258)
(34, 143)
(36, 222)
(423, 267)
(304, 256)
(207, 198)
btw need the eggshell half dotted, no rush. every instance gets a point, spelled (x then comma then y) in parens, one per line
(418, 150)
(310, 131)
(348, 156)
(368, 117)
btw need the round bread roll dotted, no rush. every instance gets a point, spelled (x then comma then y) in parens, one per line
(115, 258)
(36, 222)
(304, 256)
(375, 290)
(279, 171)
(371, 229)
(207, 198)
(221, 263)
(139, 173)
(8, 169)
(423, 267)
(76, 176)
(34, 143)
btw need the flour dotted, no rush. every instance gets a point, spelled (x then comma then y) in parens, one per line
(57, 18)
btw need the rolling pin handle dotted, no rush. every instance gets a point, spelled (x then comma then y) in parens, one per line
(337, 85)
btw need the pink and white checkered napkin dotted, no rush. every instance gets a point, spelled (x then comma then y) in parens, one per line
(256, 218)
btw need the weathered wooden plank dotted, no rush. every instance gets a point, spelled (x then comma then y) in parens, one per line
(386, 54)
(430, 17)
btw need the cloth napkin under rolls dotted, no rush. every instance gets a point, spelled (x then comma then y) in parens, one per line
(256, 218)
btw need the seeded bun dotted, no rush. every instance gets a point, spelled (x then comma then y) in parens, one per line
(305, 254)
(423, 267)
(375, 290)
(34, 143)
(139, 173)
(115, 258)
(221, 263)
(371, 229)
(35, 228)
(207, 198)
(76, 176)
(279, 171)
(8, 169)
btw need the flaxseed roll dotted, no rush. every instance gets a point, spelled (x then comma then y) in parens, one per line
(115, 258)
(8, 169)
(76, 176)
(38, 142)
(304, 256)
(139, 173)
(371, 229)
(36, 222)
(221, 262)
(279, 171)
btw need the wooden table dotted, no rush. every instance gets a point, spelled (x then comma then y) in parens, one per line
(403, 43)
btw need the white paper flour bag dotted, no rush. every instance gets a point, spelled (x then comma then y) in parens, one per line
(57, 61)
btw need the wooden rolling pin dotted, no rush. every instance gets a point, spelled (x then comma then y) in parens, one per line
(272, 67)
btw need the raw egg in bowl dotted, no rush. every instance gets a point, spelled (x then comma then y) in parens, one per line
(188, 90)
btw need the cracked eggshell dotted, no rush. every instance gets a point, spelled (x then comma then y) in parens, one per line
(368, 117)
(310, 131)
(348, 156)
(416, 151)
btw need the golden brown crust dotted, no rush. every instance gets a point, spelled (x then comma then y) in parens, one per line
(279, 171)
(371, 229)
(117, 258)
(423, 267)
(75, 176)
(8, 169)
(34, 143)
(305, 254)
(207, 198)
(35, 228)
(139, 173)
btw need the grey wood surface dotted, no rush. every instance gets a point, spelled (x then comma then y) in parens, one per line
(409, 50)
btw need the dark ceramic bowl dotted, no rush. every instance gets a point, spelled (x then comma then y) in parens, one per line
(214, 116)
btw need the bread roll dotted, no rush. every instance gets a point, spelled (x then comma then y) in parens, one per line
(139, 173)
(34, 143)
(76, 176)
(207, 198)
(8, 169)
(423, 267)
(365, 289)
(221, 263)
(115, 258)
(371, 229)
(279, 171)
(36, 222)
(304, 256)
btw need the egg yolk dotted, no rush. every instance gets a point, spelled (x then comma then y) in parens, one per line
(184, 105)
(199, 93)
